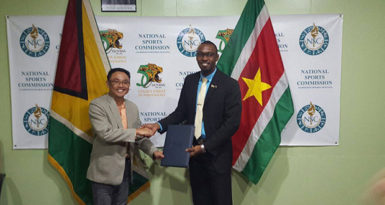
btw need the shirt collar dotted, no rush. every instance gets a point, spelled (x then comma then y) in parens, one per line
(209, 77)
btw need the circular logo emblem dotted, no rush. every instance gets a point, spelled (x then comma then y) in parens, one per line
(34, 41)
(188, 41)
(314, 40)
(35, 121)
(311, 118)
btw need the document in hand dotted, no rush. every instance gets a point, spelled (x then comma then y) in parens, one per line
(178, 139)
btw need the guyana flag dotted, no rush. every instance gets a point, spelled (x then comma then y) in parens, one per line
(80, 77)
(252, 57)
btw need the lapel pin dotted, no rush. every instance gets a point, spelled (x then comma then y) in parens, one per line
(214, 86)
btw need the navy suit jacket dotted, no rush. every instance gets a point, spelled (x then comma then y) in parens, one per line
(221, 114)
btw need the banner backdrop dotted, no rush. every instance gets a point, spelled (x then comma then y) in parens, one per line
(159, 52)
(33, 43)
(311, 47)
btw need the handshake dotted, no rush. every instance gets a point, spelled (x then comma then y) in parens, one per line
(147, 130)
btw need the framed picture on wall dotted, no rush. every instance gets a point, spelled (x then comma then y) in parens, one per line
(119, 5)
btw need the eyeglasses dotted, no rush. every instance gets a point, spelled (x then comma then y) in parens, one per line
(118, 82)
(208, 54)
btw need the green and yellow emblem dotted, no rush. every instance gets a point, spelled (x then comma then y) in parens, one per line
(110, 39)
(150, 73)
(224, 36)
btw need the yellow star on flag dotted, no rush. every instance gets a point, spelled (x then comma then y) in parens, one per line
(256, 87)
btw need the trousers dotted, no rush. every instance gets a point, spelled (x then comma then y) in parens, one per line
(105, 194)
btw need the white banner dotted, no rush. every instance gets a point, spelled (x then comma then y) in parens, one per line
(159, 52)
(311, 47)
(33, 43)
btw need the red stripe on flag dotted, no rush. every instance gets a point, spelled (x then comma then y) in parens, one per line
(265, 57)
(68, 65)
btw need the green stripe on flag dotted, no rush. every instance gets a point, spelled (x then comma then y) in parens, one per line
(239, 37)
(138, 182)
(75, 167)
(270, 138)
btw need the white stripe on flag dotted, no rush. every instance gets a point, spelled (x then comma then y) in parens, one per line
(261, 123)
(70, 126)
(250, 44)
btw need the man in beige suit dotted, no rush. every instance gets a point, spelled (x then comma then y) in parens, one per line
(118, 135)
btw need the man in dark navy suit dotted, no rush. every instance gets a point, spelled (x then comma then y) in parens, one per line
(216, 113)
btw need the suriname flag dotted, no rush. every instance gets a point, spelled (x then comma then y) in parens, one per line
(252, 57)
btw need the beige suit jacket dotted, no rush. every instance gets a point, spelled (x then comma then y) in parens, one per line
(109, 146)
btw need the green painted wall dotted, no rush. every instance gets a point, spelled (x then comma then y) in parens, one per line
(297, 175)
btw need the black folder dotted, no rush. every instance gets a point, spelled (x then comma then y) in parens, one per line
(178, 139)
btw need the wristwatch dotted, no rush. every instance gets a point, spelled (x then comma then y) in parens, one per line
(203, 148)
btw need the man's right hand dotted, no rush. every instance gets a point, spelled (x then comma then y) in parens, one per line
(152, 126)
(143, 131)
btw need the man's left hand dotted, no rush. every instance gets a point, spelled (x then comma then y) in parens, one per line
(158, 155)
(195, 150)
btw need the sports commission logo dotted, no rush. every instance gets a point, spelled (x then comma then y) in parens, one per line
(150, 73)
(311, 118)
(314, 40)
(188, 41)
(34, 41)
(35, 121)
(224, 36)
(111, 39)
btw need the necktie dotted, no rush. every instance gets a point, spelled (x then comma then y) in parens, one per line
(199, 112)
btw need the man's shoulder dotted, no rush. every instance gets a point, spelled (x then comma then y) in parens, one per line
(193, 75)
(100, 100)
(222, 77)
(130, 104)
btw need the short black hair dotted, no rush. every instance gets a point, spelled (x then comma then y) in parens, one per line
(210, 43)
(113, 70)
